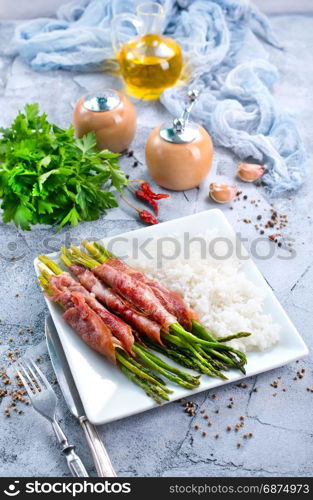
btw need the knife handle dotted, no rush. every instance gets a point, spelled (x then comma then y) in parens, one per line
(99, 454)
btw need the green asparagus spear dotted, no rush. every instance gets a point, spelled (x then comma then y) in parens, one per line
(149, 390)
(150, 360)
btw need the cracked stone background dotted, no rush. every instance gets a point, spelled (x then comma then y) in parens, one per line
(163, 442)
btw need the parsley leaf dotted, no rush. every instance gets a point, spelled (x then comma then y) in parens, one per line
(47, 176)
(87, 142)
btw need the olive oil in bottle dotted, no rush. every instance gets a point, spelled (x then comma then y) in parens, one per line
(149, 61)
(150, 64)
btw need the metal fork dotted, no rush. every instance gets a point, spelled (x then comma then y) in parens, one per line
(44, 402)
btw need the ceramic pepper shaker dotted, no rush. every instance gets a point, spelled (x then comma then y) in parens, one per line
(110, 114)
(179, 154)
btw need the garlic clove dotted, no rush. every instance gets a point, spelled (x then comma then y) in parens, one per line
(250, 172)
(222, 193)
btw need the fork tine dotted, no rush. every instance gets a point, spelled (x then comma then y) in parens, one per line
(36, 379)
(40, 373)
(30, 382)
(23, 379)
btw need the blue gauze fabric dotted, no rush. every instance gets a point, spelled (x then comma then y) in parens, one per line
(221, 40)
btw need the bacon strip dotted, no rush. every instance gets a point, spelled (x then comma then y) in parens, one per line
(172, 302)
(90, 327)
(64, 284)
(117, 304)
(137, 293)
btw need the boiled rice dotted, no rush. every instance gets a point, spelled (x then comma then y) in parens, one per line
(225, 299)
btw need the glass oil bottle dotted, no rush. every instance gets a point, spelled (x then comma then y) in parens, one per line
(151, 61)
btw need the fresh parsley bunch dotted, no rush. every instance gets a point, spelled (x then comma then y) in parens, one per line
(47, 176)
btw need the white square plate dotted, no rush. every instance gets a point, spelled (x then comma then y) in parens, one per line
(107, 394)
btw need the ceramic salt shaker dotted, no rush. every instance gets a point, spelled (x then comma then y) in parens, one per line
(108, 113)
(179, 154)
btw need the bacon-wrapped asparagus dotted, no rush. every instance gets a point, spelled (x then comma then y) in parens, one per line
(67, 289)
(79, 315)
(139, 293)
(114, 302)
(91, 328)
(141, 323)
(66, 283)
(171, 301)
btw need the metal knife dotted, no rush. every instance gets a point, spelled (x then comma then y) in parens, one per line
(68, 387)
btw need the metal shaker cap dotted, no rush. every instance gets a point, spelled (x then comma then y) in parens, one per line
(182, 130)
(102, 101)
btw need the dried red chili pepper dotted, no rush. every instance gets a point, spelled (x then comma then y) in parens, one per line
(141, 195)
(148, 217)
(154, 196)
(143, 214)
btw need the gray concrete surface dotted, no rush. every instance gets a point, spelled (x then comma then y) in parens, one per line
(163, 442)
(23, 9)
